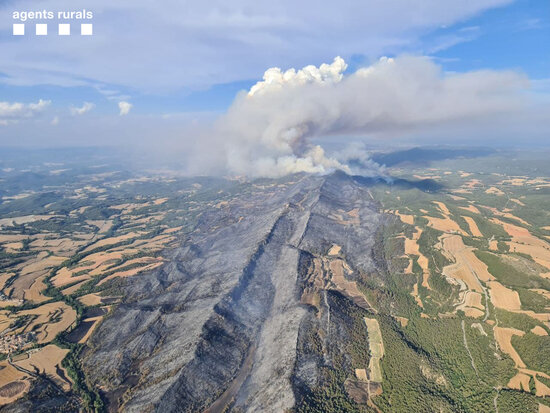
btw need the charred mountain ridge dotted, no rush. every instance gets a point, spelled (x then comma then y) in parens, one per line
(240, 318)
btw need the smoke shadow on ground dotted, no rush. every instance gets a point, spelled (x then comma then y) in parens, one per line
(425, 185)
(423, 156)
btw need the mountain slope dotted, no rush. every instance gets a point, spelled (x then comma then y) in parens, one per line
(227, 309)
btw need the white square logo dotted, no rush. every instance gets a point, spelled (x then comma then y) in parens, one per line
(41, 29)
(18, 29)
(86, 29)
(64, 29)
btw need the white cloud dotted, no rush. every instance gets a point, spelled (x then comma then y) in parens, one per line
(531, 24)
(86, 107)
(15, 111)
(124, 108)
(268, 131)
(275, 79)
(55, 121)
(196, 43)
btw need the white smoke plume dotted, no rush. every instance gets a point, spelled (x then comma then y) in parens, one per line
(267, 131)
(357, 160)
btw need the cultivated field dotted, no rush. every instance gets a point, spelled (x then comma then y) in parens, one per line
(482, 241)
(376, 347)
(63, 259)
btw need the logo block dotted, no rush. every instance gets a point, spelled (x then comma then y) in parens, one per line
(64, 29)
(41, 29)
(86, 29)
(18, 29)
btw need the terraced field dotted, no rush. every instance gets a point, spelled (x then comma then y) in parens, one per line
(62, 265)
(482, 237)
(428, 290)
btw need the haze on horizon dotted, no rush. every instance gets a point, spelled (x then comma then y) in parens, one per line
(190, 80)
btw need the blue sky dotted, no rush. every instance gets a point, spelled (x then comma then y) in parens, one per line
(516, 36)
(172, 60)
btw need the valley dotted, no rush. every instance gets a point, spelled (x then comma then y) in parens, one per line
(429, 290)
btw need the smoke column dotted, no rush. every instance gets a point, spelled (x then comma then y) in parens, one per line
(267, 130)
